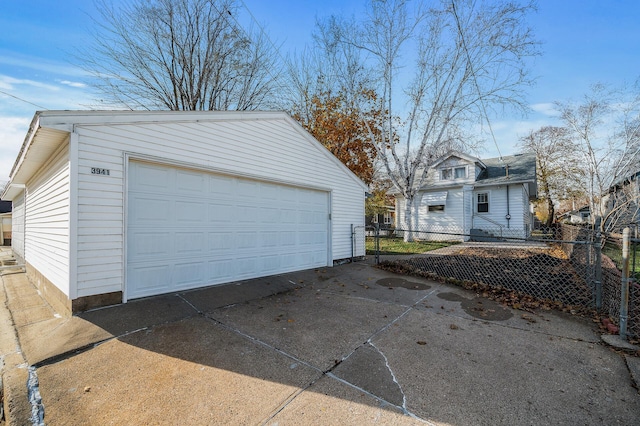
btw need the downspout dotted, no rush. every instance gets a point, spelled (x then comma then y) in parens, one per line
(508, 216)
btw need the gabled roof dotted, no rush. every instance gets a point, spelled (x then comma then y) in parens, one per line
(458, 154)
(50, 129)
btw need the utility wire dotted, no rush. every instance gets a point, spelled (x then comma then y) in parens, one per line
(23, 100)
(264, 34)
(475, 79)
(287, 62)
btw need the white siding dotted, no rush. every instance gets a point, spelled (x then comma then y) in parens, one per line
(434, 224)
(269, 149)
(17, 225)
(498, 209)
(46, 244)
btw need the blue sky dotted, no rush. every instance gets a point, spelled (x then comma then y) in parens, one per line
(585, 42)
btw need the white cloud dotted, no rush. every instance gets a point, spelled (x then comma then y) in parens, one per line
(11, 83)
(14, 59)
(73, 83)
(546, 108)
(12, 132)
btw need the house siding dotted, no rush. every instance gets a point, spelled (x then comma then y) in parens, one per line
(436, 226)
(46, 214)
(269, 149)
(498, 209)
(17, 226)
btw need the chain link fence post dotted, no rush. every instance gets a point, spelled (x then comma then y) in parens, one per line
(624, 291)
(353, 242)
(377, 242)
(598, 271)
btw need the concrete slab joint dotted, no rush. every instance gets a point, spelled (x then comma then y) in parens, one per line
(356, 345)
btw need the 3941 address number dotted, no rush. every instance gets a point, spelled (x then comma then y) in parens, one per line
(99, 171)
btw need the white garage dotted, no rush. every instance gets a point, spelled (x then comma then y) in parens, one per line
(216, 228)
(115, 206)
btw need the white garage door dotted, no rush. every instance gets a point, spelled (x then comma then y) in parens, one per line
(188, 229)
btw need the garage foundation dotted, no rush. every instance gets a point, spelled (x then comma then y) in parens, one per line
(61, 303)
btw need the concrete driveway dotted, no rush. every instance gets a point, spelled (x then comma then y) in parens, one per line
(345, 345)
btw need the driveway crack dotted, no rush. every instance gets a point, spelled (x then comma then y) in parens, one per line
(393, 376)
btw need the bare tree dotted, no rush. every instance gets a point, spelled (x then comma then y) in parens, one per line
(605, 128)
(469, 57)
(556, 167)
(179, 55)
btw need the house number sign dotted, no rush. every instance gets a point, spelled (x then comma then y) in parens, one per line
(99, 171)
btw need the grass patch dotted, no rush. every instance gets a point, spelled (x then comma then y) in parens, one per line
(615, 253)
(399, 246)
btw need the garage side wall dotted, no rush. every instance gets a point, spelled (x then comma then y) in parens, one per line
(274, 150)
(46, 225)
(17, 226)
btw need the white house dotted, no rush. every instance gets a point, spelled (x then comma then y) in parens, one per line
(464, 197)
(112, 206)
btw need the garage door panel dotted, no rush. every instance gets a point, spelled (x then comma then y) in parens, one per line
(149, 245)
(269, 239)
(232, 228)
(152, 279)
(220, 241)
(246, 240)
(190, 243)
(269, 216)
(149, 178)
(191, 182)
(148, 209)
(221, 213)
(246, 213)
(193, 212)
(220, 271)
(248, 190)
(222, 186)
(189, 274)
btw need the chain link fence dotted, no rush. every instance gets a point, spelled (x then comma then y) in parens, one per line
(563, 264)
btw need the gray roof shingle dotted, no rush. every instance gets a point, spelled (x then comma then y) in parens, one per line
(522, 168)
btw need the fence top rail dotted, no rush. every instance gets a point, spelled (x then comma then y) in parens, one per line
(537, 240)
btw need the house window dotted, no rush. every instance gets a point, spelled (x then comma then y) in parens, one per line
(483, 202)
(437, 208)
(387, 218)
(453, 173)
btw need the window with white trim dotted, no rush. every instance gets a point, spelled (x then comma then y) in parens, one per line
(482, 204)
(453, 173)
(387, 218)
(436, 208)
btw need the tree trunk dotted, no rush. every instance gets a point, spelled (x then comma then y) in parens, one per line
(408, 219)
(551, 212)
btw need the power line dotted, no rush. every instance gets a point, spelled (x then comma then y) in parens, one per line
(23, 100)
(473, 74)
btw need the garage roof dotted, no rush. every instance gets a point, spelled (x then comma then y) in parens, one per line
(50, 129)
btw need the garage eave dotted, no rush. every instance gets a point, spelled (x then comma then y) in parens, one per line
(38, 146)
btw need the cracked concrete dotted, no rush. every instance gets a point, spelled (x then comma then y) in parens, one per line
(343, 345)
